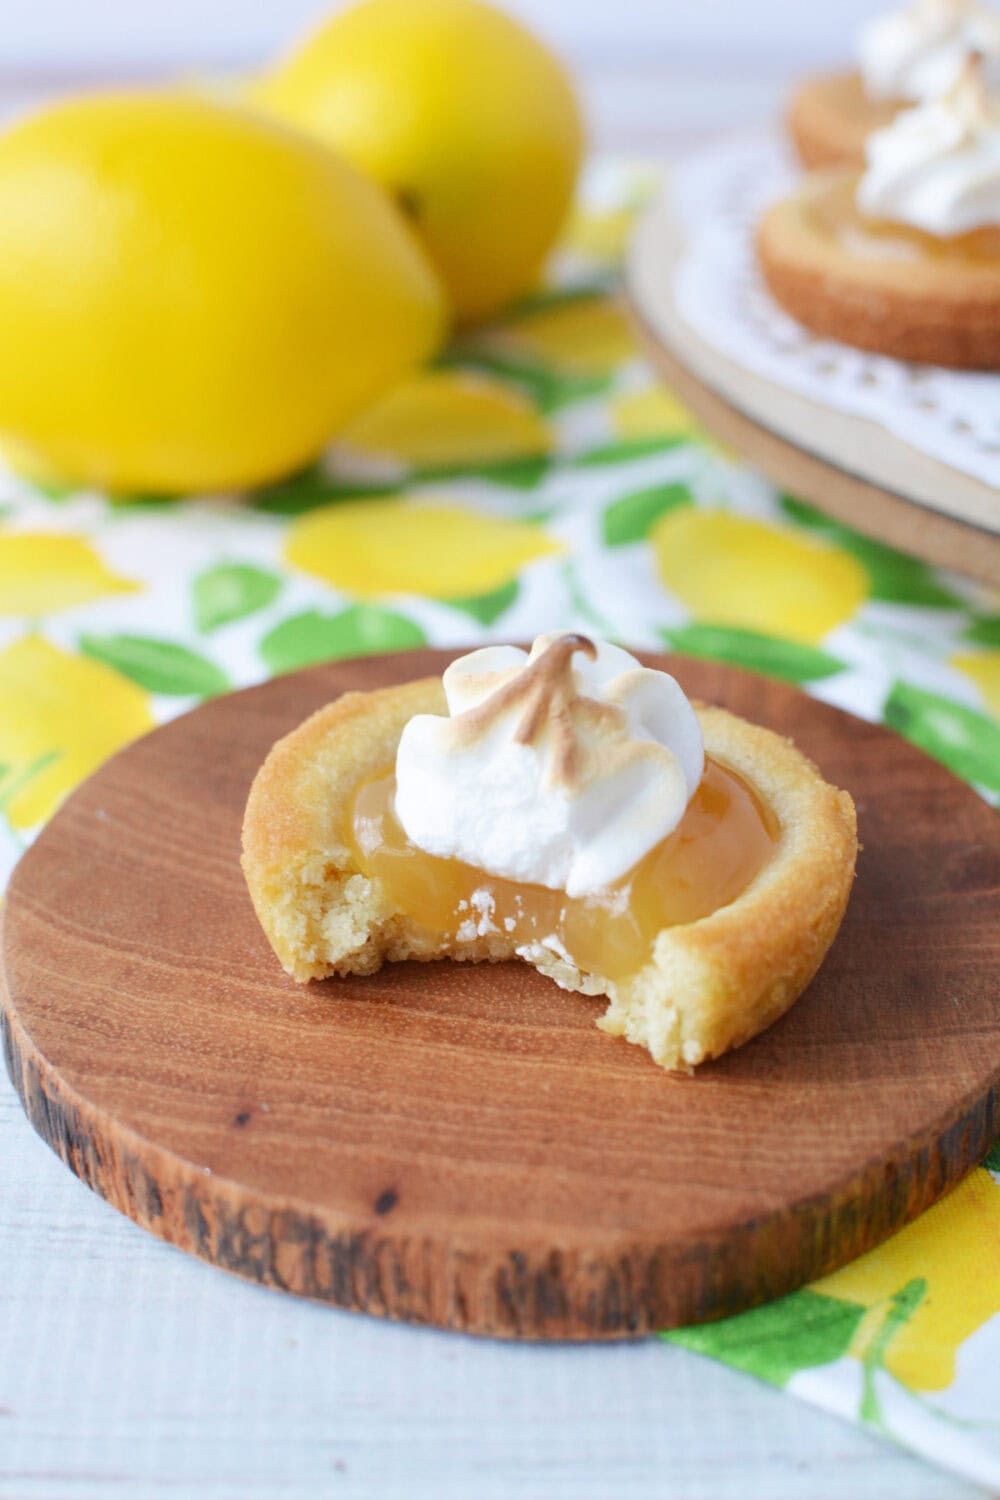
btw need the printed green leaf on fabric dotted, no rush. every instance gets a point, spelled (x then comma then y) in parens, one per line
(984, 631)
(363, 630)
(230, 592)
(144, 501)
(313, 487)
(898, 1312)
(547, 388)
(629, 519)
(156, 665)
(774, 1342)
(770, 655)
(895, 577)
(964, 740)
(14, 779)
(54, 489)
(524, 473)
(488, 607)
(557, 296)
(621, 450)
(806, 515)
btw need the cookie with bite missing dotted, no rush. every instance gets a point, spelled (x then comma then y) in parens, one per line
(691, 990)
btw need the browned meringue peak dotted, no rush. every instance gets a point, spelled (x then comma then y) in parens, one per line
(560, 768)
(970, 99)
(551, 706)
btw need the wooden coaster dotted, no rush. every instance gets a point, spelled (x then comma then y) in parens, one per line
(850, 467)
(460, 1145)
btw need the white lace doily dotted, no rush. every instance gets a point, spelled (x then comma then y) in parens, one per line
(953, 416)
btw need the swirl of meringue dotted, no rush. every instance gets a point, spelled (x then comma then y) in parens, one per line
(917, 53)
(559, 768)
(937, 167)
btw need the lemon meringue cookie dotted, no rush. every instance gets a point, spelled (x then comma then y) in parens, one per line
(904, 260)
(568, 807)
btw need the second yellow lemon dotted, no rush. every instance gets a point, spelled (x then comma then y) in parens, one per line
(463, 116)
(193, 296)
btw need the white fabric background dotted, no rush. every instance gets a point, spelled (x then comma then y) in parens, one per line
(59, 31)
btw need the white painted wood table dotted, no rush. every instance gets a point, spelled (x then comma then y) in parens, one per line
(129, 1371)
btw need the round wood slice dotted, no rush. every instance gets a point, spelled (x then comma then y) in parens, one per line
(460, 1145)
(850, 467)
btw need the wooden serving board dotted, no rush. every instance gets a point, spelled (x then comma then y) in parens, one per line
(460, 1145)
(852, 468)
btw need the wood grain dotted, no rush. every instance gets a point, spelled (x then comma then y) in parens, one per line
(849, 467)
(461, 1146)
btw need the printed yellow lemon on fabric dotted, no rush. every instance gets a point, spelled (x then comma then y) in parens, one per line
(953, 1249)
(444, 418)
(732, 570)
(600, 229)
(600, 233)
(652, 411)
(582, 336)
(385, 546)
(61, 715)
(982, 668)
(461, 115)
(41, 572)
(198, 297)
(30, 465)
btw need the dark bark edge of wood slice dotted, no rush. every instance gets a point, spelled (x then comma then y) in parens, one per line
(202, 1160)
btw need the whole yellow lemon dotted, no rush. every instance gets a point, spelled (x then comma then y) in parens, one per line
(462, 115)
(193, 296)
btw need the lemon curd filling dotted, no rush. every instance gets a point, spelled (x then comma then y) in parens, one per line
(835, 212)
(724, 839)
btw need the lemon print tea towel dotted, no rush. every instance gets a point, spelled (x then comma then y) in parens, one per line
(538, 477)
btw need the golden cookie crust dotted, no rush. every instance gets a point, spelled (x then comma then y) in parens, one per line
(829, 119)
(940, 311)
(709, 985)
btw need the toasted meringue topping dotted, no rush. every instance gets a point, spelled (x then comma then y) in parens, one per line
(937, 168)
(917, 53)
(561, 768)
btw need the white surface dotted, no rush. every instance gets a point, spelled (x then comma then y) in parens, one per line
(718, 196)
(129, 1371)
(675, 73)
(47, 32)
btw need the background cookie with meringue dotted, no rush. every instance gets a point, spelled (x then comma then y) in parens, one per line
(904, 259)
(904, 57)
